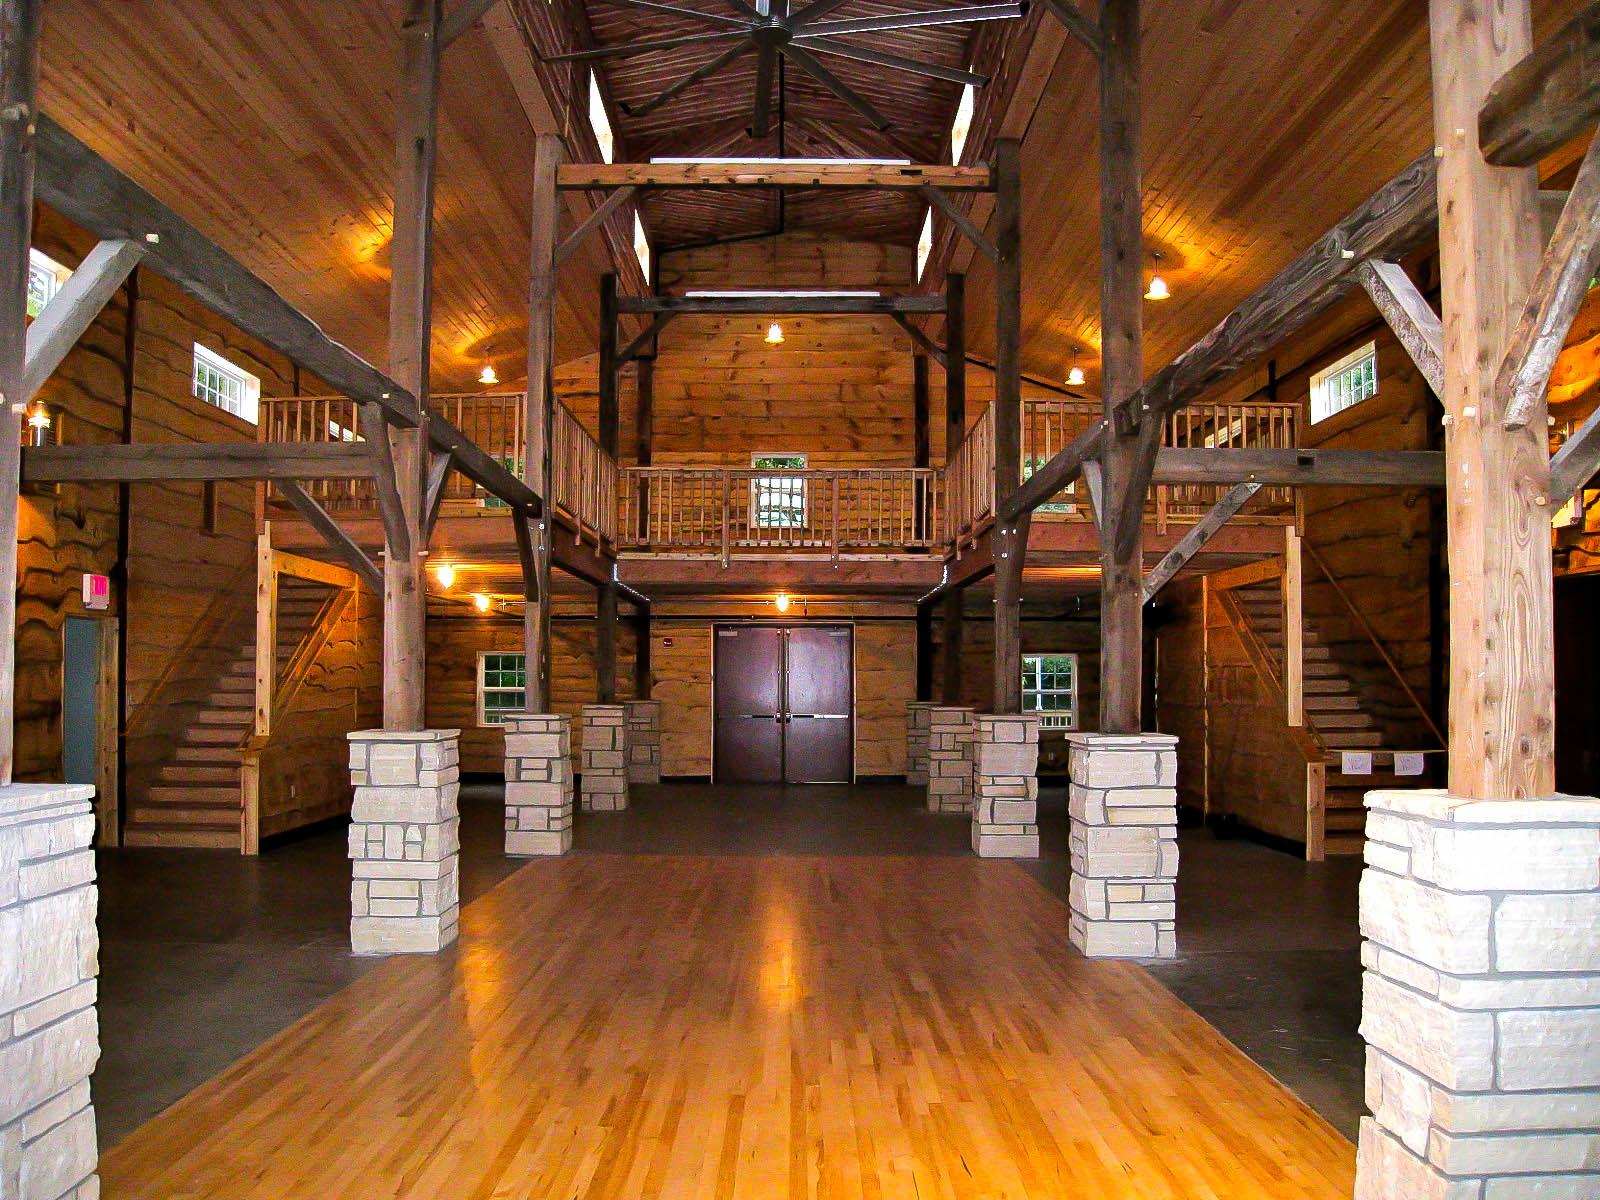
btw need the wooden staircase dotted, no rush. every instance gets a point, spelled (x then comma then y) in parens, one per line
(1336, 713)
(195, 798)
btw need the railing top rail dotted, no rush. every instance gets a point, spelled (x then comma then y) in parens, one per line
(776, 472)
(431, 396)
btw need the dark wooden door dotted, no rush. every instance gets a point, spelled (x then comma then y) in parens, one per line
(818, 704)
(784, 704)
(748, 719)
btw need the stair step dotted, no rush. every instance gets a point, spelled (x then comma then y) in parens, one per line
(179, 774)
(1343, 845)
(1325, 702)
(233, 717)
(191, 753)
(154, 834)
(215, 735)
(1316, 653)
(1352, 739)
(1343, 720)
(1345, 820)
(1317, 668)
(1328, 685)
(195, 796)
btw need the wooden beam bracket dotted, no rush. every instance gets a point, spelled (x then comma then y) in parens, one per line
(341, 542)
(73, 309)
(1078, 24)
(597, 218)
(1407, 312)
(1195, 540)
(959, 219)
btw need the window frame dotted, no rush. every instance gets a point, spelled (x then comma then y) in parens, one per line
(249, 398)
(42, 266)
(756, 483)
(1071, 692)
(482, 688)
(1318, 398)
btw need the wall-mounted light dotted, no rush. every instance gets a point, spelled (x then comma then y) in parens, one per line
(445, 574)
(781, 602)
(481, 602)
(1158, 286)
(39, 421)
(774, 334)
(488, 378)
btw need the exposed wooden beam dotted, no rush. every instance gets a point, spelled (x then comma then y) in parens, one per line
(386, 485)
(781, 305)
(338, 540)
(859, 103)
(951, 673)
(597, 218)
(605, 643)
(1010, 537)
(439, 465)
(1396, 219)
(20, 22)
(1094, 482)
(959, 219)
(56, 330)
(463, 17)
(1576, 463)
(1079, 24)
(1049, 479)
(897, 62)
(758, 174)
(643, 341)
(1407, 312)
(955, 348)
(609, 401)
(912, 20)
(90, 192)
(534, 544)
(176, 461)
(1566, 272)
(483, 469)
(1548, 98)
(1302, 468)
(919, 410)
(1195, 540)
(921, 339)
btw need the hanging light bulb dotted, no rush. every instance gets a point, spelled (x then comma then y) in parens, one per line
(1075, 376)
(488, 378)
(481, 602)
(781, 602)
(445, 574)
(39, 421)
(774, 334)
(1158, 286)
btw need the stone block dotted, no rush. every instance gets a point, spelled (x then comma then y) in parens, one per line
(539, 789)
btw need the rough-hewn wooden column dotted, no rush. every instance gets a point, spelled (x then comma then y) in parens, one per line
(955, 363)
(19, 83)
(610, 426)
(950, 676)
(539, 414)
(1010, 538)
(410, 336)
(1122, 368)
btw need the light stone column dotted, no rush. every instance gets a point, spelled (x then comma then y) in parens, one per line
(404, 840)
(1480, 1002)
(1124, 842)
(918, 714)
(603, 766)
(538, 784)
(644, 741)
(49, 958)
(1005, 784)
(949, 759)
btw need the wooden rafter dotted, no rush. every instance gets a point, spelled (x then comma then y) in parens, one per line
(921, 339)
(959, 219)
(73, 309)
(463, 17)
(590, 176)
(1576, 463)
(1195, 540)
(1079, 24)
(333, 533)
(779, 304)
(1407, 312)
(593, 221)
(1545, 100)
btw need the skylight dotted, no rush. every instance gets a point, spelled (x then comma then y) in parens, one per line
(600, 120)
(962, 125)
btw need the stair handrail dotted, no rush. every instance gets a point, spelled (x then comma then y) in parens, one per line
(1306, 735)
(1377, 642)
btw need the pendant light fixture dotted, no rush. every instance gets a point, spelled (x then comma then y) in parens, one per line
(488, 377)
(1075, 376)
(1158, 286)
(774, 334)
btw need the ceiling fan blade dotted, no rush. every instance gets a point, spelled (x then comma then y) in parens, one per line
(694, 14)
(912, 20)
(766, 66)
(861, 54)
(628, 49)
(834, 84)
(689, 80)
(815, 11)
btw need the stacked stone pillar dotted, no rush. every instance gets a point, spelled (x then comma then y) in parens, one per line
(1005, 784)
(949, 759)
(918, 713)
(1481, 998)
(1124, 809)
(538, 784)
(49, 957)
(644, 741)
(603, 768)
(404, 840)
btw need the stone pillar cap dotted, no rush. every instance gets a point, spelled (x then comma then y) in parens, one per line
(18, 798)
(1436, 804)
(1120, 741)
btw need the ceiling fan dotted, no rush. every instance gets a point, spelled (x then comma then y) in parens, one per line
(768, 28)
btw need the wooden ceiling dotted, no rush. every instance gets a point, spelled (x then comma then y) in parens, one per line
(270, 125)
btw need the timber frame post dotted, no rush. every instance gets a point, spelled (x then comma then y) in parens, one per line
(1127, 456)
(539, 420)
(20, 22)
(410, 335)
(1010, 539)
(610, 424)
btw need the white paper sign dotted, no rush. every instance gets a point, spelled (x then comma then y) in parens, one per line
(1407, 763)
(1355, 762)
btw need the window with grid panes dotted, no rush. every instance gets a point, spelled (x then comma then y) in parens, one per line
(45, 277)
(778, 502)
(502, 686)
(220, 382)
(1050, 688)
(1345, 383)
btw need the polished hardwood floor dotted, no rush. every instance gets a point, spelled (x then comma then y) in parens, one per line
(745, 1026)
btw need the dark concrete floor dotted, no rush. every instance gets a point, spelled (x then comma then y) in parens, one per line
(205, 955)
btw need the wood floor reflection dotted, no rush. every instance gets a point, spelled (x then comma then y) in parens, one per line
(676, 1027)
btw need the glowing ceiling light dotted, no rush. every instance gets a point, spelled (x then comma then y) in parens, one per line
(1075, 377)
(445, 574)
(774, 334)
(781, 602)
(488, 378)
(481, 602)
(1158, 286)
(39, 421)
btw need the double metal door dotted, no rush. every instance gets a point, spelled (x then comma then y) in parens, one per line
(784, 702)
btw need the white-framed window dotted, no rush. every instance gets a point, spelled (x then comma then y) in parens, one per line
(641, 245)
(1345, 383)
(962, 125)
(924, 242)
(227, 385)
(1050, 688)
(599, 119)
(778, 501)
(502, 685)
(45, 277)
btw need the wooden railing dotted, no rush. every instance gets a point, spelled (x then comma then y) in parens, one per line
(969, 499)
(585, 483)
(722, 512)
